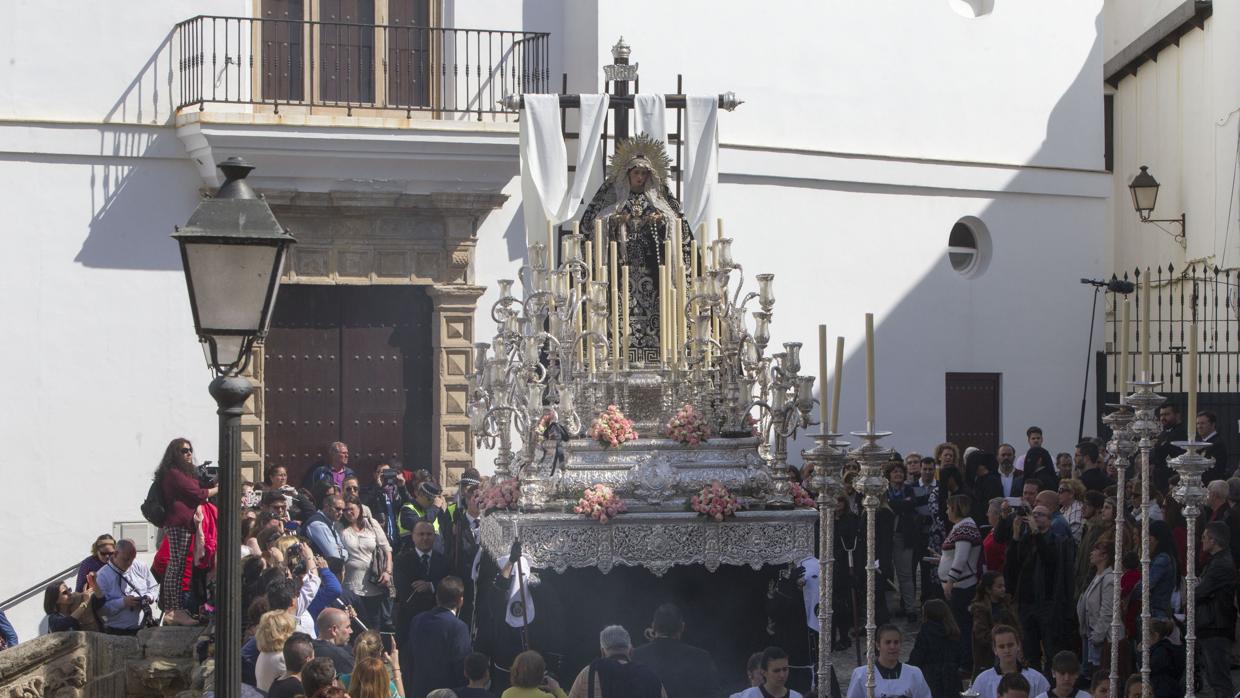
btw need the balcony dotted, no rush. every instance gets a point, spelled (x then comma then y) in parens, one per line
(335, 68)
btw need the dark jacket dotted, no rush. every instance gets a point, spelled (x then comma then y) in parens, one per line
(1166, 669)
(991, 486)
(1216, 605)
(1221, 470)
(341, 657)
(938, 657)
(434, 651)
(322, 473)
(408, 569)
(619, 679)
(903, 503)
(985, 617)
(685, 670)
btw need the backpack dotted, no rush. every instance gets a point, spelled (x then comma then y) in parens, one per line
(153, 509)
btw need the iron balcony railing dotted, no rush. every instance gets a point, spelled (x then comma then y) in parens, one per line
(1197, 292)
(452, 73)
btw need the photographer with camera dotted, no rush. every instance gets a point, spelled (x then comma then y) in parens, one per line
(183, 493)
(385, 497)
(128, 591)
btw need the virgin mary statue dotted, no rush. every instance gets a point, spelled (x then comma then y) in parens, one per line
(638, 212)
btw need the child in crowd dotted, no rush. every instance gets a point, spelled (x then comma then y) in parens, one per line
(1166, 660)
(1065, 670)
(936, 651)
(1006, 646)
(1013, 686)
(1100, 687)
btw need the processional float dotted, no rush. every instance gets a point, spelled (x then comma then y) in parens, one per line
(596, 323)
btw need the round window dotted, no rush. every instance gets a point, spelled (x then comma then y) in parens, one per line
(968, 247)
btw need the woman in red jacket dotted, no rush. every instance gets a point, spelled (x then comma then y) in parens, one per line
(182, 497)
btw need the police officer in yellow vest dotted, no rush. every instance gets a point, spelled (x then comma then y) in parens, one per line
(423, 508)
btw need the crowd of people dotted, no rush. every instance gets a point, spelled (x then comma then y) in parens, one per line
(1006, 563)
(1002, 563)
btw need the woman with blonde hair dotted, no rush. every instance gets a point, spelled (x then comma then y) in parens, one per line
(530, 679)
(370, 680)
(947, 455)
(101, 552)
(369, 645)
(273, 629)
(1071, 492)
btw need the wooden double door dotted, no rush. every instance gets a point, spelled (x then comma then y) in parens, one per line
(351, 364)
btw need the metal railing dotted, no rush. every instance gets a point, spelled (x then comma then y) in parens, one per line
(1199, 293)
(38, 587)
(452, 73)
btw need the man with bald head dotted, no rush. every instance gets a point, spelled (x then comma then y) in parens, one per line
(419, 568)
(1220, 508)
(128, 591)
(1031, 568)
(334, 630)
(1058, 524)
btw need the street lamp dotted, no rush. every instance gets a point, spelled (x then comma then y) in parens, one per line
(233, 251)
(1144, 190)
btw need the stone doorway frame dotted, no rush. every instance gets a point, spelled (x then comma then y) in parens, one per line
(354, 238)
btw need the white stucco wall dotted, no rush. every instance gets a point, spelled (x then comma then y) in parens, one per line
(101, 363)
(1180, 116)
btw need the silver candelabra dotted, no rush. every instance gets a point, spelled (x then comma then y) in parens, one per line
(871, 484)
(827, 459)
(1189, 492)
(1144, 428)
(1121, 447)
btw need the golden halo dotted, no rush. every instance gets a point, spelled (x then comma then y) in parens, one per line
(641, 146)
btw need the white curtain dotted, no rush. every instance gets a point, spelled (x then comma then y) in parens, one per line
(701, 161)
(547, 195)
(651, 116)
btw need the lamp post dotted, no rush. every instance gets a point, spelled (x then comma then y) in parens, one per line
(233, 251)
(1144, 190)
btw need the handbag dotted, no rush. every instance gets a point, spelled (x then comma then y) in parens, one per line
(378, 561)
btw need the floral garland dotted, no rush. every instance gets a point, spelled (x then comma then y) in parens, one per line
(714, 502)
(501, 495)
(688, 427)
(612, 428)
(801, 498)
(600, 503)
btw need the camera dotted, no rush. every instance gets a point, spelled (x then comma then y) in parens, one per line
(296, 561)
(208, 473)
(389, 476)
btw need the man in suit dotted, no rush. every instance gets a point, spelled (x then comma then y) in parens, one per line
(437, 642)
(685, 670)
(1164, 448)
(1207, 430)
(1007, 481)
(419, 568)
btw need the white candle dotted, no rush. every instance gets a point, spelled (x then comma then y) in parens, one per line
(1145, 326)
(600, 266)
(869, 371)
(835, 387)
(1123, 352)
(1192, 380)
(823, 403)
(624, 291)
(551, 246)
(615, 306)
(663, 313)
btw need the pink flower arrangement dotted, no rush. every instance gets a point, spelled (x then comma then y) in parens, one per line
(612, 428)
(688, 427)
(501, 495)
(600, 503)
(801, 498)
(714, 502)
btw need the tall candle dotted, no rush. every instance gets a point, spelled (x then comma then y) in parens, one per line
(551, 246)
(599, 250)
(695, 269)
(1192, 381)
(719, 233)
(682, 300)
(824, 411)
(1123, 351)
(1145, 326)
(615, 305)
(836, 383)
(663, 313)
(869, 371)
(587, 322)
(624, 291)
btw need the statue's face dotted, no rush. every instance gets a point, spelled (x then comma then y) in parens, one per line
(638, 177)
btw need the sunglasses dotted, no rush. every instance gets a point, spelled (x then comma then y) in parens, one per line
(187, 451)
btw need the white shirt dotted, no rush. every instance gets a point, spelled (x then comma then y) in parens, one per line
(1078, 694)
(268, 668)
(910, 683)
(309, 588)
(987, 682)
(1007, 481)
(755, 692)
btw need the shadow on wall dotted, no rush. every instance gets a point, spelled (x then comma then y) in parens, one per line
(1014, 328)
(134, 201)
